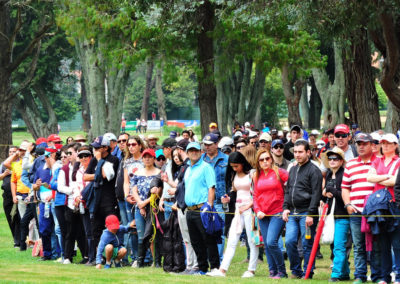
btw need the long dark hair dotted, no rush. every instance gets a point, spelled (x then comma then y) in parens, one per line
(235, 158)
(175, 167)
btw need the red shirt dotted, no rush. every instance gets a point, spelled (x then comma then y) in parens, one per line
(268, 193)
(381, 169)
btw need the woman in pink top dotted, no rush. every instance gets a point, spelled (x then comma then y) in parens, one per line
(383, 174)
(238, 176)
(268, 199)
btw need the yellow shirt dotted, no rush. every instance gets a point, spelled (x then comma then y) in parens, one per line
(16, 172)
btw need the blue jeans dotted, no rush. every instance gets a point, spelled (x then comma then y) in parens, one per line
(56, 243)
(271, 230)
(124, 221)
(140, 225)
(340, 264)
(360, 255)
(46, 227)
(221, 246)
(167, 209)
(296, 225)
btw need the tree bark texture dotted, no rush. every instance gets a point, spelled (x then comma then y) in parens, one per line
(315, 106)
(305, 107)
(360, 84)
(160, 95)
(147, 90)
(292, 90)
(392, 124)
(85, 105)
(205, 59)
(332, 93)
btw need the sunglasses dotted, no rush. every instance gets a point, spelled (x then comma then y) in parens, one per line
(161, 158)
(122, 141)
(81, 156)
(266, 159)
(278, 147)
(264, 141)
(69, 153)
(344, 135)
(376, 142)
(132, 144)
(333, 158)
(240, 147)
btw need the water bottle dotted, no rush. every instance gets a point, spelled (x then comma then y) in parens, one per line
(225, 207)
(308, 233)
(46, 210)
(81, 208)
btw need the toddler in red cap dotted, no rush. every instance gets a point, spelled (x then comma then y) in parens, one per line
(111, 242)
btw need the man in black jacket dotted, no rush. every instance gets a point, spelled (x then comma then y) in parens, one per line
(302, 197)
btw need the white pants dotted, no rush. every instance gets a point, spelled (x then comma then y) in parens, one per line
(191, 259)
(233, 238)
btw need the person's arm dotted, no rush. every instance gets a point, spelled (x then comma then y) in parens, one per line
(127, 183)
(375, 178)
(346, 188)
(100, 249)
(5, 173)
(211, 196)
(396, 188)
(7, 163)
(62, 186)
(14, 191)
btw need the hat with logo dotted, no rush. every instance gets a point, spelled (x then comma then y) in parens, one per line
(213, 124)
(210, 138)
(341, 128)
(110, 136)
(53, 138)
(173, 134)
(100, 141)
(363, 137)
(276, 142)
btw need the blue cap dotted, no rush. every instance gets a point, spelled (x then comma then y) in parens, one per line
(193, 145)
(173, 134)
(159, 153)
(100, 142)
(210, 138)
(276, 142)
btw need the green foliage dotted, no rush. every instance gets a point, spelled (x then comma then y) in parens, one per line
(382, 98)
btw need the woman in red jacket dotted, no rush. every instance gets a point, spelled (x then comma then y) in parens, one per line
(268, 198)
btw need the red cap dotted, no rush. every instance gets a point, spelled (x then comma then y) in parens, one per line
(343, 128)
(150, 152)
(51, 150)
(58, 146)
(53, 138)
(40, 140)
(112, 222)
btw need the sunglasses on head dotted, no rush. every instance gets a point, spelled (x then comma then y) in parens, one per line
(341, 135)
(266, 159)
(162, 158)
(81, 156)
(122, 141)
(334, 158)
(131, 144)
(278, 147)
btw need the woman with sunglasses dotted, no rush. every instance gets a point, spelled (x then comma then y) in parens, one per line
(141, 194)
(268, 200)
(334, 162)
(238, 178)
(131, 164)
(383, 173)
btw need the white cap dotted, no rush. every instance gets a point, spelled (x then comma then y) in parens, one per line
(315, 132)
(24, 145)
(376, 136)
(266, 137)
(247, 124)
(110, 136)
(225, 141)
(280, 133)
(252, 134)
(390, 137)
(238, 133)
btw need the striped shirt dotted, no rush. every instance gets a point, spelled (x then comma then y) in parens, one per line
(355, 180)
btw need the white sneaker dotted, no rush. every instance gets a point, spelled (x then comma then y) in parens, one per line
(134, 264)
(216, 273)
(393, 275)
(247, 274)
(66, 261)
(59, 260)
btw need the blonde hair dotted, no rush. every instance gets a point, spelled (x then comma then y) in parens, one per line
(258, 168)
(138, 140)
(250, 153)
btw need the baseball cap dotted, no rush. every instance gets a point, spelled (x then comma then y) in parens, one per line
(173, 134)
(247, 124)
(295, 128)
(40, 140)
(110, 136)
(100, 141)
(354, 126)
(169, 143)
(315, 132)
(376, 136)
(252, 134)
(213, 124)
(159, 153)
(193, 145)
(49, 151)
(390, 137)
(266, 137)
(112, 222)
(238, 133)
(363, 137)
(343, 128)
(182, 144)
(276, 142)
(24, 146)
(210, 138)
(274, 131)
(226, 149)
(53, 138)
(149, 152)
(225, 141)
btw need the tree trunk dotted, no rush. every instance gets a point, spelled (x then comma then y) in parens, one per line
(292, 91)
(160, 95)
(315, 107)
(392, 124)
(360, 84)
(205, 59)
(305, 108)
(332, 94)
(85, 105)
(147, 90)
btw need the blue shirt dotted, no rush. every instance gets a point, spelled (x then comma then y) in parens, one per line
(43, 173)
(199, 178)
(117, 153)
(117, 240)
(220, 164)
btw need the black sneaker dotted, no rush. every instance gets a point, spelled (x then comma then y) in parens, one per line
(44, 258)
(91, 263)
(333, 279)
(84, 260)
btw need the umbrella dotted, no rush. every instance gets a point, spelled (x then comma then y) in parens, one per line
(316, 240)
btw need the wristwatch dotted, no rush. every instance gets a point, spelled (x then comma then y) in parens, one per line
(347, 205)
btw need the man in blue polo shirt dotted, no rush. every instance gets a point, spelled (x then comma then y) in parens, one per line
(199, 189)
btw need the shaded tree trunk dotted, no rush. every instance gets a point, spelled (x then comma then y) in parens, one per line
(85, 105)
(360, 84)
(392, 124)
(304, 107)
(205, 58)
(292, 90)
(315, 106)
(160, 95)
(332, 93)
(147, 90)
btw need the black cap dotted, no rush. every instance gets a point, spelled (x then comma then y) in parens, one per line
(295, 128)
(182, 144)
(169, 143)
(363, 137)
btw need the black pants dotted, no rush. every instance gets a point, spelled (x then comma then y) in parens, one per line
(60, 214)
(204, 245)
(99, 221)
(90, 246)
(75, 232)
(30, 213)
(13, 223)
